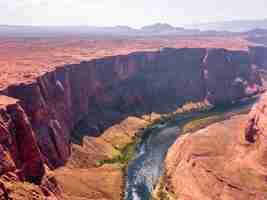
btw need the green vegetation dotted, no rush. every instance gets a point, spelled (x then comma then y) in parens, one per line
(190, 123)
(205, 120)
(128, 152)
(214, 115)
(200, 123)
(183, 116)
(190, 117)
(188, 107)
(125, 155)
(161, 192)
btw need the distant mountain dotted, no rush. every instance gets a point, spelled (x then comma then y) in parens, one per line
(158, 29)
(233, 26)
(51, 31)
(166, 29)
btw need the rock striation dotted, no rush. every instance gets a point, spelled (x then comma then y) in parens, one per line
(41, 119)
(21, 158)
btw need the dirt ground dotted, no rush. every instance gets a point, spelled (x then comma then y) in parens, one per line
(23, 59)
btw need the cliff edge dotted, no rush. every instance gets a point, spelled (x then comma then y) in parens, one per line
(71, 116)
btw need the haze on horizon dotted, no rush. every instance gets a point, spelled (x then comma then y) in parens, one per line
(127, 12)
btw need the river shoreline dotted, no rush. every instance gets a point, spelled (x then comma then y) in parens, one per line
(182, 122)
(203, 118)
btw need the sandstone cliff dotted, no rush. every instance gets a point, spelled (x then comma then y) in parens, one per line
(87, 99)
(99, 93)
(21, 159)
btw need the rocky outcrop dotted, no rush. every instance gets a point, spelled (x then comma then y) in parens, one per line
(256, 133)
(226, 160)
(21, 159)
(18, 143)
(89, 98)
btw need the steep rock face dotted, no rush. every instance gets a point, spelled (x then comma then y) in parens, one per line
(228, 75)
(29, 157)
(259, 56)
(167, 79)
(88, 99)
(45, 102)
(226, 160)
(21, 159)
(18, 143)
(92, 96)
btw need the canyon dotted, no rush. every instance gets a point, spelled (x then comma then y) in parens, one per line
(57, 127)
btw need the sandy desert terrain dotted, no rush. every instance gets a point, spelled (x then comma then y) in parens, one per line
(23, 59)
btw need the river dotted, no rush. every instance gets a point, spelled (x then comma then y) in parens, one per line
(144, 171)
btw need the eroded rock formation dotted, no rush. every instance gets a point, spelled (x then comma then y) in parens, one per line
(21, 159)
(256, 132)
(104, 91)
(89, 98)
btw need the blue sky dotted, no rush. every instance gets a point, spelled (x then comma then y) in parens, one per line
(135, 13)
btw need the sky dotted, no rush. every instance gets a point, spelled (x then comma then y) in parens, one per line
(134, 13)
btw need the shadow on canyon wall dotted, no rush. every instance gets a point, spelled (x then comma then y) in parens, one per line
(92, 96)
